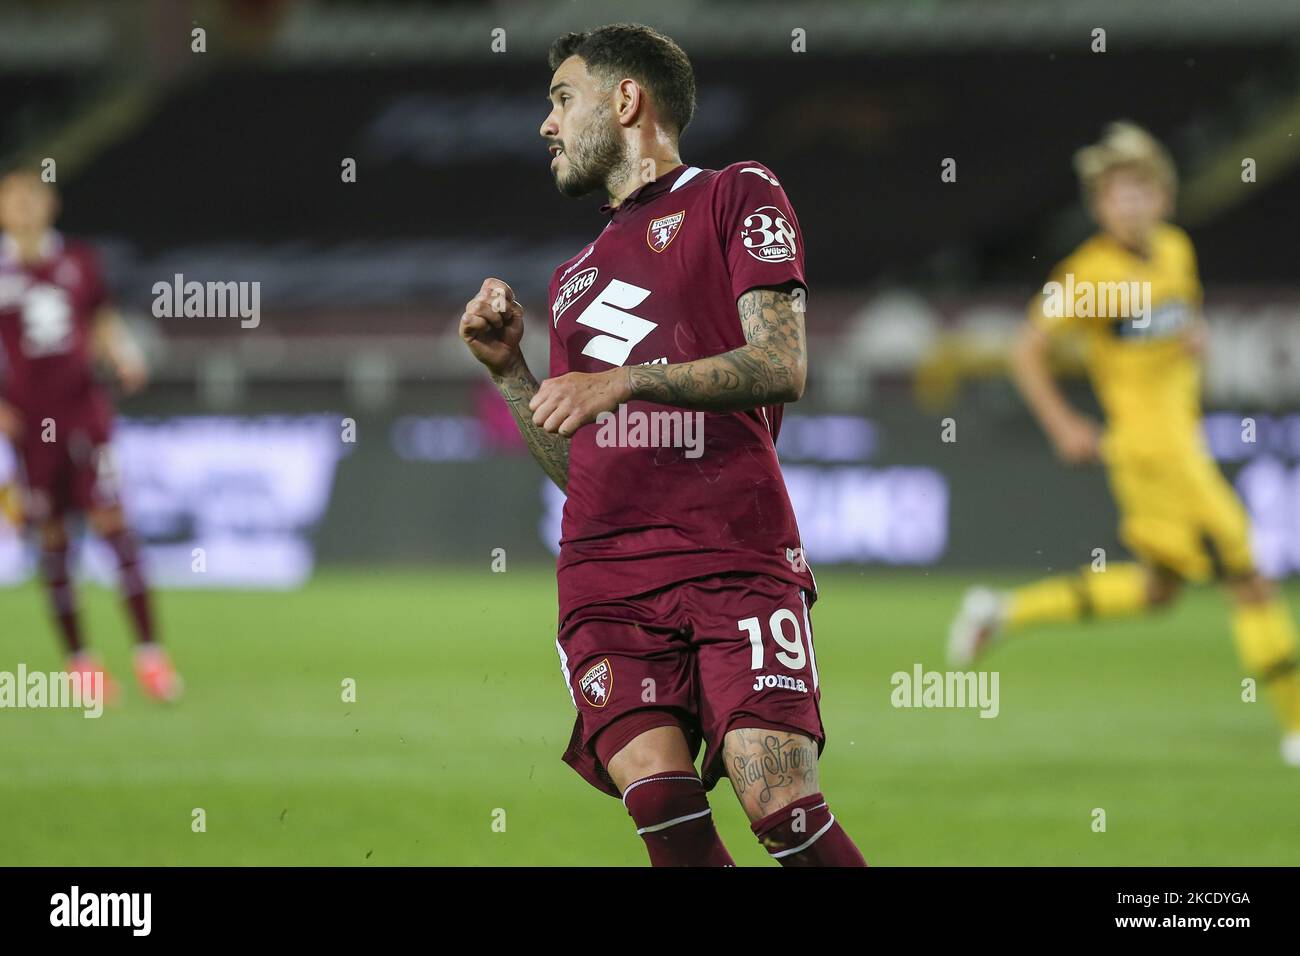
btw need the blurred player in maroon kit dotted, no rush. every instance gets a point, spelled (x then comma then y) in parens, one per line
(55, 325)
(682, 586)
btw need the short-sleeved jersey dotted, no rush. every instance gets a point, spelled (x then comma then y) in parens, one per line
(659, 286)
(46, 314)
(1134, 314)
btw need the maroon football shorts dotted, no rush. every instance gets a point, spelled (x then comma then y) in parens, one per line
(73, 473)
(720, 652)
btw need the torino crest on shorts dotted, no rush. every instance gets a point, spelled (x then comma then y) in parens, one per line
(597, 684)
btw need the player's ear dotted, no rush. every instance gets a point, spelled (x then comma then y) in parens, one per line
(629, 99)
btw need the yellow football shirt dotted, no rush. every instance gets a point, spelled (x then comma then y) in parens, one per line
(1135, 314)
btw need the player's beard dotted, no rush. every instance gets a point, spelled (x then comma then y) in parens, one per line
(596, 158)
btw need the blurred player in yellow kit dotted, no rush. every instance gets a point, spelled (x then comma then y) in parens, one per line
(1131, 291)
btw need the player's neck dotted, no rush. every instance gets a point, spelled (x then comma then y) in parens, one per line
(1140, 247)
(632, 180)
(27, 247)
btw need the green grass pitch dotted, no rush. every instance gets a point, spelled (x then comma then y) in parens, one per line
(461, 713)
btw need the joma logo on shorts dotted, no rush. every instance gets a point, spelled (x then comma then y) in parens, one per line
(764, 681)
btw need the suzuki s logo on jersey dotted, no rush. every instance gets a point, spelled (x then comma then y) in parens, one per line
(571, 292)
(597, 684)
(47, 321)
(622, 330)
(661, 231)
(768, 235)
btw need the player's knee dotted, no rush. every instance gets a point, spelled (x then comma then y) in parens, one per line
(1163, 588)
(106, 521)
(758, 805)
(1253, 588)
(53, 535)
(658, 749)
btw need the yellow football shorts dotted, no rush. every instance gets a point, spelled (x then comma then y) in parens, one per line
(1179, 512)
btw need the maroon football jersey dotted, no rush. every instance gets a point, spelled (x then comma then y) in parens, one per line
(46, 313)
(659, 286)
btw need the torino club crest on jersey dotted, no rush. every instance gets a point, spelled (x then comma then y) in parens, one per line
(597, 684)
(660, 232)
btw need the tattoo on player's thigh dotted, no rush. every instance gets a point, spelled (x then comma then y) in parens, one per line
(770, 768)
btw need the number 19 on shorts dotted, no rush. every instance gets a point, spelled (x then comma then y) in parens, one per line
(791, 652)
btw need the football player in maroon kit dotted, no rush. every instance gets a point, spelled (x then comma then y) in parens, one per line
(682, 587)
(55, 325)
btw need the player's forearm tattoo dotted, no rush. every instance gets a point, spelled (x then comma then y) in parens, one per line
(549, 451)
(769, 368)
(766, 763)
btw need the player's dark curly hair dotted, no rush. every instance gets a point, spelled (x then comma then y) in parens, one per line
(647, 56)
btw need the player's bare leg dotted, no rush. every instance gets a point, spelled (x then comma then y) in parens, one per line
(1163, 587)
(665, 797)
(1265, 635)
(1123, 589)
(658, 750)
(774, 773)
(153, 668)
(56, 574)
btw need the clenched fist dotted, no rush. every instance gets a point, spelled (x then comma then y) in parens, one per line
(492, 325)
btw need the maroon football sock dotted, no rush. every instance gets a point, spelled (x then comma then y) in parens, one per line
(672, 815)
(135, 590)
(806, 834)
(63, 598)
